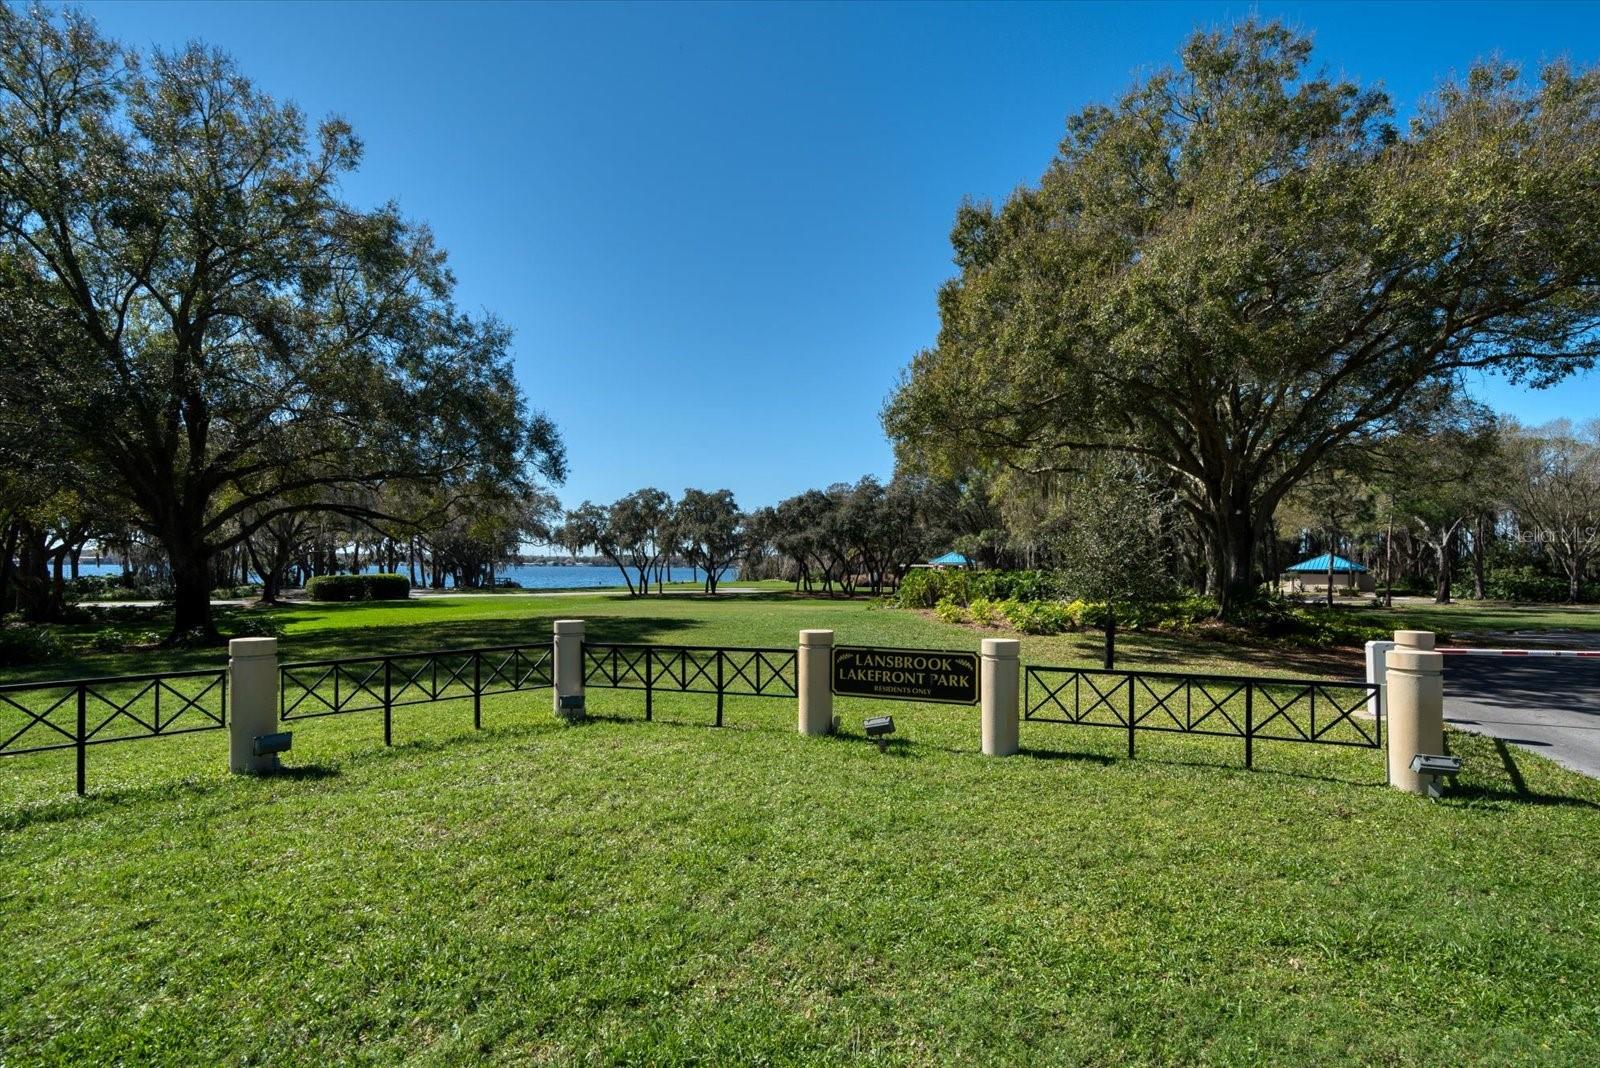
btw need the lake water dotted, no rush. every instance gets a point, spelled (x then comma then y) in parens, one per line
(528, 576)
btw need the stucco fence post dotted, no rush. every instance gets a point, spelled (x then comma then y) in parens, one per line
(814, 682)
(1415, 707)
(1000, 681)
(567, 670)
(252, 703)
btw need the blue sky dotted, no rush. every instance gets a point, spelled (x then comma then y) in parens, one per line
(718, 230)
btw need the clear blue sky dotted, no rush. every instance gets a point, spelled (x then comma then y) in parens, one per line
(718, 230)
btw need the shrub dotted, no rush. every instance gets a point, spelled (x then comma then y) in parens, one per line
(925, 587)
(1521, 583)
(1017, 585)
(23, 643)
(255, 625)
(1038, 617)
(950, 612)
(1081, 613)
(110, 640)
(986, 613)
(1180, 614)
(359, 588)
(919, 589)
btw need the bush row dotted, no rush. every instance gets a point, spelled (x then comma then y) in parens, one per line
(359, 588)
(926, 587)
(1275, 618)
(1055, 617)
(1524, 583)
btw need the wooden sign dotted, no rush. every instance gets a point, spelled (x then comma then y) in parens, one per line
(905, 674)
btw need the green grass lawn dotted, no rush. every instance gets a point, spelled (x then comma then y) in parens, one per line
(1472, 618)
(667, 892)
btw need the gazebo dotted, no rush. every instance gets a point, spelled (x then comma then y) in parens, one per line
(949, 560)
(1313, 573)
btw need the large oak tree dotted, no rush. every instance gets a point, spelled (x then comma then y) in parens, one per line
(230, 340)
(1243, 267)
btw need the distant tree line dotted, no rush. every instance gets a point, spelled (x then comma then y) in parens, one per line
(846, 539)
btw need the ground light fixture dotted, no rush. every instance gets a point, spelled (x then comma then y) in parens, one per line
(1435, 765)
(878, 730)
(272, 744)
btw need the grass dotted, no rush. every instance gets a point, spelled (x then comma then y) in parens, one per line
(665, 892)
(1469, 618)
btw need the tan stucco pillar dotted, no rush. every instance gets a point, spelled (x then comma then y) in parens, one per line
(1000, 677)
(814, 681)
(1415, 707)
(252, 702)
(567, 661)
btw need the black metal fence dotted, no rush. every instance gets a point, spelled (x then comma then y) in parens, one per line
(737, 672)
(1223, 706)
(314, 688)
(38, 717)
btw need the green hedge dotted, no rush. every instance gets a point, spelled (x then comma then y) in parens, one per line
(1524, 583)
(925, 587)
(359, 588)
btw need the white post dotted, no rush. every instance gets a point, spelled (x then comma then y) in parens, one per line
(814, 681)
(1377, 669)
(1416, 707)
(252, 702)
(568, 669)
(1001, 677)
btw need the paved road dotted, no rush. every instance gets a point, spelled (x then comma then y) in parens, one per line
(1549, 705)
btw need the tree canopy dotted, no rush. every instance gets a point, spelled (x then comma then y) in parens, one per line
(189, 304)
(1243, 267)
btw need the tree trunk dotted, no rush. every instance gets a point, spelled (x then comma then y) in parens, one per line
(1388, 564)
(1231, 558)
(1111, 639)
(1333, 539)
(191, 595)
(1478, 536)
(1446, 562)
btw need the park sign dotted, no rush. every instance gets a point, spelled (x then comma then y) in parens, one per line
(905, 674)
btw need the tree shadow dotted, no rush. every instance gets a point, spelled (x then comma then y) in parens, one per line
(477, 633)
(302, 772)
(1516, 788)
(61, 810)
(1076, 756)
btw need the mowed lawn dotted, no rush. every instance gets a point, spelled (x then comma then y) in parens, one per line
(668, 892)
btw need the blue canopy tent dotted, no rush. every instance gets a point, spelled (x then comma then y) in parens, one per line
(1314, 572)
(949, 560)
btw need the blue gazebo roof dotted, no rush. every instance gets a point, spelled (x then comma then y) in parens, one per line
(1320, 563)
(950, 560)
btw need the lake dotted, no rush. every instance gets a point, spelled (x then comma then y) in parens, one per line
(528, 576)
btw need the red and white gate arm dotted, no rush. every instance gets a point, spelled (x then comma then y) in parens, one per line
(1589, 653)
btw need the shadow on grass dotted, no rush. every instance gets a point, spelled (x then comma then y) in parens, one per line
(302, 772)
(1515, 788)
(1062, 754)
(473, 633)
(1312, 663)
(60, 810)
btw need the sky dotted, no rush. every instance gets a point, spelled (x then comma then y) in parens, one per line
(718, 231)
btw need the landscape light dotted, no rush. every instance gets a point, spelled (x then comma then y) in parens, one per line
(273, 744)
(878, 729)
(1435, 765)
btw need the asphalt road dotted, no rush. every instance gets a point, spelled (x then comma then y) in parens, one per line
(1548, 705)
